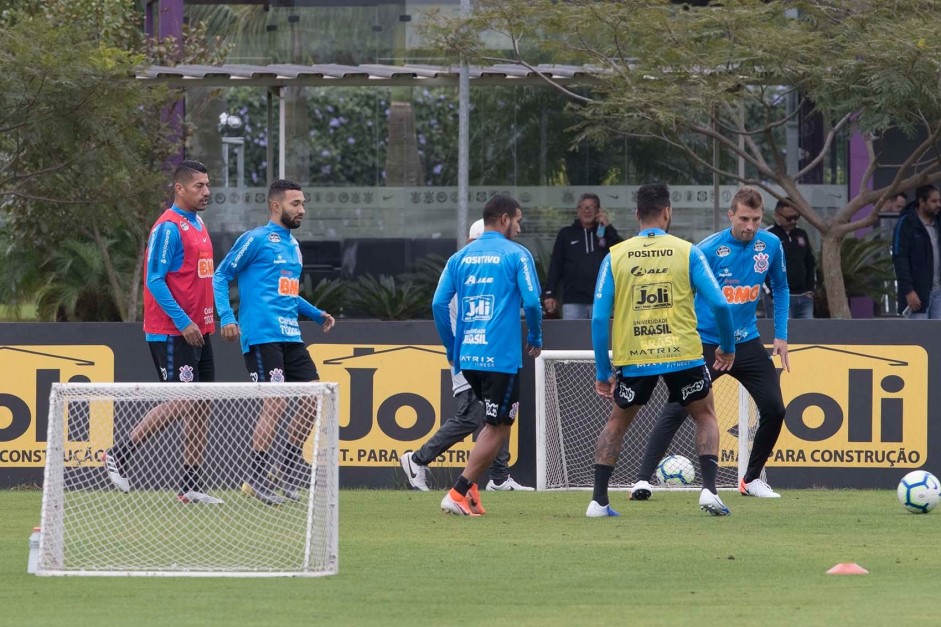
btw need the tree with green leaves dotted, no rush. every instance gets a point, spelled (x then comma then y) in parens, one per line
(83, 149)
(698, 77)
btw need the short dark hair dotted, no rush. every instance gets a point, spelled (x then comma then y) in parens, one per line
(185, 172)
(590, 196)
(652, 199)
(902, 194)
(280, 187)
(923, 192)
(784, 202)
(499, 205)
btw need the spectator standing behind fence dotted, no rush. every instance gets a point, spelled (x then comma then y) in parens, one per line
(576, 256)
(916, 257)
(799, 257)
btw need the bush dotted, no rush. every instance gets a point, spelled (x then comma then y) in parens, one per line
(387, 298)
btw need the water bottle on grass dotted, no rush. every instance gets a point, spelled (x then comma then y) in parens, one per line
(33, 562)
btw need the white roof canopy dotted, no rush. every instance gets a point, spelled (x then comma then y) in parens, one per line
(332, 74)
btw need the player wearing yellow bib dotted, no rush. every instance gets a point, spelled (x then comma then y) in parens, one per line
(649, 283)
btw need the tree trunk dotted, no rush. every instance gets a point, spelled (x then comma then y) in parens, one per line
(297, 134)
(403, 164)
(117, 294)
(134, 290)
(833, 276)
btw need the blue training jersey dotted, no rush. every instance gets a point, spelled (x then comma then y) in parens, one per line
(267, 261)
(741, 269)
(491, 277)
(165, 255)
(704, 285)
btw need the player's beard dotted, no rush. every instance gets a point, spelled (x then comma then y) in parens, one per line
(290, 223)
(744, 237)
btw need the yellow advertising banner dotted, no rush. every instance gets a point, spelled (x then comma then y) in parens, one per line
(28, 371)
(848, 406)
(393, 398)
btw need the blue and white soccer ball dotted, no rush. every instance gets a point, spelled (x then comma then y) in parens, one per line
(676, 470)
(919, 492)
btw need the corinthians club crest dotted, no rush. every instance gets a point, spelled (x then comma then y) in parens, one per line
(761, 262)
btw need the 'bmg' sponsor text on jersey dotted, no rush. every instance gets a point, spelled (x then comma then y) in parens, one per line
(267, 261)
(741, 269)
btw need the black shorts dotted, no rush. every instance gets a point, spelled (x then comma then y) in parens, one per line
(177, 361)
(499, 392)
(279, 362)
(684, 387)
(757, 373)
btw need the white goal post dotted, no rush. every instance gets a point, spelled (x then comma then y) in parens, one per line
(92, 526)
(570, 415)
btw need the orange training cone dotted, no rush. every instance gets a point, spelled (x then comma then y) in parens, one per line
(847, 568)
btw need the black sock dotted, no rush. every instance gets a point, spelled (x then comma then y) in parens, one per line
(192, 481)
(259, 463)
(124, 450)
(293, 472)
(294, 456)
(668, 423)
(602, 477)
(709, 467)
(769, 428)
(462, 485)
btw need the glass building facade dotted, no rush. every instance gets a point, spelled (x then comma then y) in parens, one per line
(381, 163)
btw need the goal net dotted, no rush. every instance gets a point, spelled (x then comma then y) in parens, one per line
(570, 415)
(92, 526)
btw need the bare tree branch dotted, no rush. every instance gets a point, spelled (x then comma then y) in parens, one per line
(555, 84)
(825, 149)
(733, 147)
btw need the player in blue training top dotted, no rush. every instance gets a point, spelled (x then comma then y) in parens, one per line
(742, 257)
(468, 420)
(489, 277)
(648, 282)
(267, 262)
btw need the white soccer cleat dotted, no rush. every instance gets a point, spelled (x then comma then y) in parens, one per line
(709, 502)
(415, 472)
(115, 471)
(641, 491)
(454, 503)
(599, 511)
(509, 485)
(194, 496)
(288, 482)
(757, 488)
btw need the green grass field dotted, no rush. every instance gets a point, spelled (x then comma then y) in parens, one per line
(536, 560)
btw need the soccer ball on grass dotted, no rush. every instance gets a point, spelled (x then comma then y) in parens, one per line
(919, 491)
(676, 471)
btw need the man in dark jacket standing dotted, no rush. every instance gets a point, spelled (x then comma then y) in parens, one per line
(799, 258)
(916, 256)
(576, 257)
